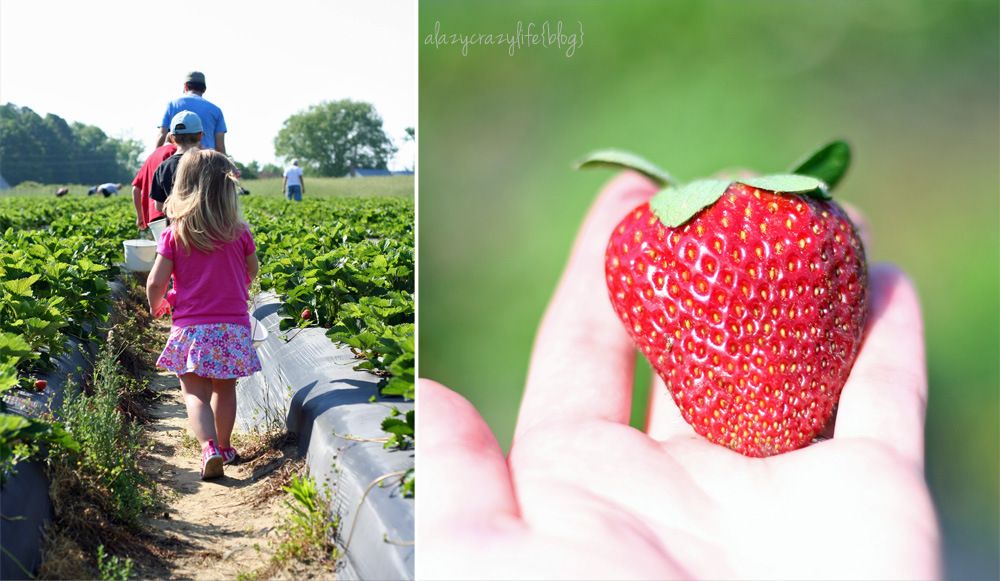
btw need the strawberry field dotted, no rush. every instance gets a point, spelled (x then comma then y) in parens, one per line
(55, 262)
(345, 264)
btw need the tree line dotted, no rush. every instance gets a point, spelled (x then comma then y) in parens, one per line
(50, 150)
(329, 140)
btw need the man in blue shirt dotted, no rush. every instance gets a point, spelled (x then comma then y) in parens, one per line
(213, 123)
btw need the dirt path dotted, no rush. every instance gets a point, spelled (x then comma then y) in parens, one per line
(220, 529)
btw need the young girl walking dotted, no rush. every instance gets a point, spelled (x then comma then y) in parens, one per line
(211, 254)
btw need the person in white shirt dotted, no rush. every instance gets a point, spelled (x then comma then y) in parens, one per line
(294, 185)
(104, 189)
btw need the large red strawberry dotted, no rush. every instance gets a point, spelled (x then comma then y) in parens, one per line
(748, 297)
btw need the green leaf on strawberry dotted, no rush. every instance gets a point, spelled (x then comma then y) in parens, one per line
(790, 184)
(616, 158)
(675, 205)
(828, 163)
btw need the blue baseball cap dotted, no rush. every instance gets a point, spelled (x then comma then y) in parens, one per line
(185, 123)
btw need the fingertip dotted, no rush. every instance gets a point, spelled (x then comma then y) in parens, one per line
(458, 453)
(891, 287)
(437, 403)
(431, 389)
(627, 187)
(616, 199)
(447, 419)
(860, 222)
(581, 345)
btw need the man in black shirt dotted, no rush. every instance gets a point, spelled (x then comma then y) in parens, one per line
(185, 133)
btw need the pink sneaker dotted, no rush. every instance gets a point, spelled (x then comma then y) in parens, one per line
(211, 461)
(229, 455)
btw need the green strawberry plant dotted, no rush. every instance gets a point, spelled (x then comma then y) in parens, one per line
(20, 437)
(401, 430)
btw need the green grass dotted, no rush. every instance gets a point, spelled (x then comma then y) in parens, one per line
(390, 186)
(112, 567)
(110, 444)
(308, 529)
(304, 545)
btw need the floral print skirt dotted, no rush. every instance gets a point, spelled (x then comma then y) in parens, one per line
(218, 351)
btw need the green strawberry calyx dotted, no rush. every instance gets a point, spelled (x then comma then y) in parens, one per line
(675, 205)
(829, 163)
(618, 159)
(814, 176)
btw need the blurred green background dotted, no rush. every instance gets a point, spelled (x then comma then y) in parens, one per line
(696, 87)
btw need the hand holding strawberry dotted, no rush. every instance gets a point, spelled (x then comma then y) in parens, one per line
(583, 495)
(167, 305)
(162, 309)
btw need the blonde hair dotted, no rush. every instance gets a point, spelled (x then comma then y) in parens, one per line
(204, 205)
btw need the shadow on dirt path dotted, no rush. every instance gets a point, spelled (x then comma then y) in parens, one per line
(221, 528)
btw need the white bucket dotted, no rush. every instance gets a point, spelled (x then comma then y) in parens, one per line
(156, 227)
(140, 255)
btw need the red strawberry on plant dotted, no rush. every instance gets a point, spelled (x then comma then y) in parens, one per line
(41, 384)
(748, 297)
(306, 314)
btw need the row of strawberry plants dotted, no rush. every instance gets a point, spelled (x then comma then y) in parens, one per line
(346, 265)
(53, 285)
(32, 212)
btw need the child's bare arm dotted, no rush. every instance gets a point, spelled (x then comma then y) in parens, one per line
(156, 283)
(253, 266)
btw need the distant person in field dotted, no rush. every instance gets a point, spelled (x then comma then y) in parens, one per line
(62, 192)
(294, 185)
(185, 134)
(211, 116)
(105, 190)
(211, 254)
(142, 185)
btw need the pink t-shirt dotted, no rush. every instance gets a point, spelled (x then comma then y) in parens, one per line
(211, 287)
